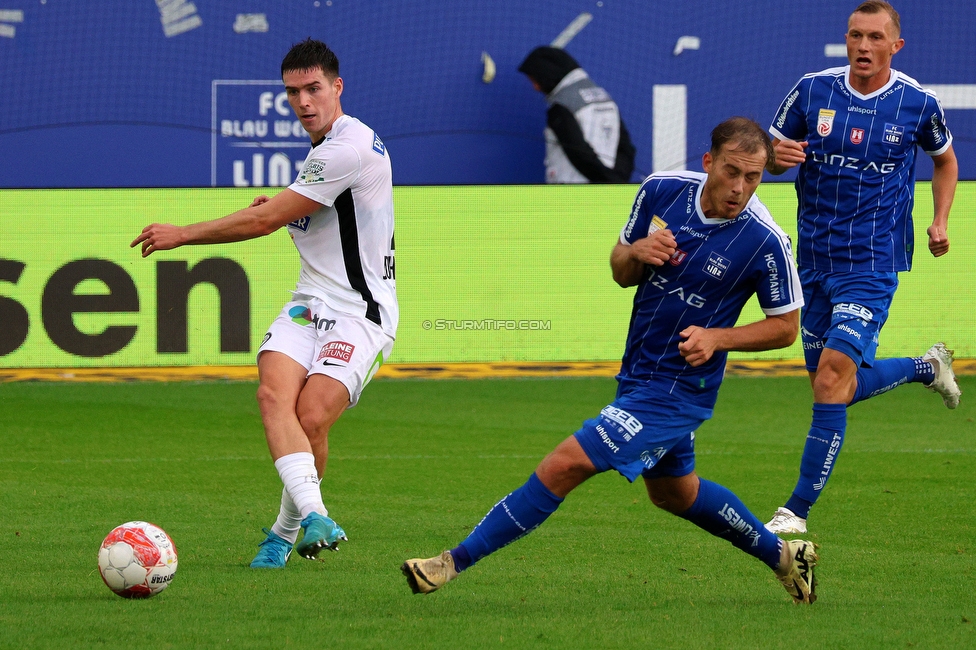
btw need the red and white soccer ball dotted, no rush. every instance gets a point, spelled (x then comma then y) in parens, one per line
(137, 560)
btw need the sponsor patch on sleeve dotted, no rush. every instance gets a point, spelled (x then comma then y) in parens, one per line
(312, 173)
(378, 145)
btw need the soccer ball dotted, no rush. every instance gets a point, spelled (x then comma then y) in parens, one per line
(137, 560)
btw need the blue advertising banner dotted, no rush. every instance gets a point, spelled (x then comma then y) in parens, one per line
(173, 93)
(256, 140)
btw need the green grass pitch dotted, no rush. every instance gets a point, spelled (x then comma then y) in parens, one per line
(417, 464)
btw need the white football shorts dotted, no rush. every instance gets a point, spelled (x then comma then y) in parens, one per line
(347, 348)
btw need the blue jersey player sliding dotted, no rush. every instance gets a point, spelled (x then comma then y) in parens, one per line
(697, 246)
(853, 131)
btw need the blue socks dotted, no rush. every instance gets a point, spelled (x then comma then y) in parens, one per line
(718, 511)
(891, 373)
(830, 422)
(823, 444)
(513, 517)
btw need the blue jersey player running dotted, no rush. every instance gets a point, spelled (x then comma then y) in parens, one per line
(853, 131)
(697, 246)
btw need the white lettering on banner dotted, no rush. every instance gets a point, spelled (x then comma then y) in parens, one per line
(245, 129)
(279, 171)
(286, 129)
(240, 118)
(245, 23)
(279, 102)
(177, 16)
(10, 16)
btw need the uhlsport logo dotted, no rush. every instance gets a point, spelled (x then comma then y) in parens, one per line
(302, 315)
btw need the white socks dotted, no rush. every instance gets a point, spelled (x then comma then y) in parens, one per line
(297, 472)
(289, 519)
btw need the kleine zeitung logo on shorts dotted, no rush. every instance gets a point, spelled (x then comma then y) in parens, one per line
(339, 350)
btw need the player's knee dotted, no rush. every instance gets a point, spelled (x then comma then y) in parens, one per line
(270, 400)
(674, 495)
(315, 421)
(670, 502)
(563, 470)
(833, 384)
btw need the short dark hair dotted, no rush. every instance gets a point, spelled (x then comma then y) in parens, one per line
(309, 55)
(744, 132)
(876, 7)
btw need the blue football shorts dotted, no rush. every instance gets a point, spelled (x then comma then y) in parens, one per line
(844, 312)
(644, 432)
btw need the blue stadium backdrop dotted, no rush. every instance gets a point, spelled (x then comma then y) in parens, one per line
(172, 93)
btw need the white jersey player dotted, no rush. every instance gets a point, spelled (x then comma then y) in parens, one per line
(339, 327)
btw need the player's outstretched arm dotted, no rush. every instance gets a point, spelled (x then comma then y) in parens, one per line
(262, 217)
(945, 175)
(771, 333)
(789, 154)
(627, 261)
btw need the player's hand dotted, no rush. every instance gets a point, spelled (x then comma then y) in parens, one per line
(938, 240)
(698, 346)
(258, 200)
(655, 249)
(790, 153)
(158, 237)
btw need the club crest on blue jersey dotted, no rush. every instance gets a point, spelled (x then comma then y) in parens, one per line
(857, 135)
(301, 224)
(716, 266)
(893, 133)
(825, 122)
(378, 145)
(678, 257)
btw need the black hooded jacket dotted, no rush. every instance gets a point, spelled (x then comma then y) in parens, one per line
(548, 66)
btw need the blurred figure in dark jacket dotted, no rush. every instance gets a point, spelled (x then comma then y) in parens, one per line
(586, 141)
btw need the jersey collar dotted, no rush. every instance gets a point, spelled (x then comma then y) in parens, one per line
(712, 221)
(891, 82)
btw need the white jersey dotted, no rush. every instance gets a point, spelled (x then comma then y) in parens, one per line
(347, 247)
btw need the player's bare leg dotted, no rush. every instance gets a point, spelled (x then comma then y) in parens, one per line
(283, 381)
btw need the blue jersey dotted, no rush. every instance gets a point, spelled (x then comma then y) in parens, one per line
(718, 265)
(856, 188)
